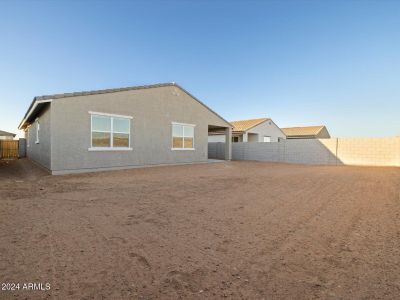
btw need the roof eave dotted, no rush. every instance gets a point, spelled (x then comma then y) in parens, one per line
(320, 129)
(44, 99)
(308, 136)
(33, 108)
(247, 129)
(262, 122)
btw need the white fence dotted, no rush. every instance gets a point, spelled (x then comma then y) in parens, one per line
(346, 151)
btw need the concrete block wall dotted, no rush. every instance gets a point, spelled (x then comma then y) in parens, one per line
(364, 152)
(216, 150)
(318, 152)
(258, 151)
(22, 147)
(369, 151)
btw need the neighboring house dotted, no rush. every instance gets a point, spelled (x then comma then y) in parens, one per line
(120, 128)
(4, 135)
(255, 130)
(308, 132)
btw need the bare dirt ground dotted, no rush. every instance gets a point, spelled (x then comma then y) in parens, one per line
(240, 230)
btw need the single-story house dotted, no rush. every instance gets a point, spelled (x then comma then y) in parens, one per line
(308, 132)
(120, 128)
(4, 135)
(254, 130)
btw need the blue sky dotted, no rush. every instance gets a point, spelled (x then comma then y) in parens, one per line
(298, 62)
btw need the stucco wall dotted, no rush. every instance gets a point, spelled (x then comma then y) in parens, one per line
(268, 128)
(323, 134)
(357, 151)
(152, 110)
(41, 152)
(216, 138)
(253, 137)
(255, 134)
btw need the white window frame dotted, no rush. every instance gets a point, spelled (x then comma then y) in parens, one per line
(37, 131)
(111, 148)
(183, 137)
(267, 136)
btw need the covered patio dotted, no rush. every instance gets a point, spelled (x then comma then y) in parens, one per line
(220, 150)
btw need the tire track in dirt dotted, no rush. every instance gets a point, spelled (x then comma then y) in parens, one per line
(116, 251)
(243, 230)
(286, 242)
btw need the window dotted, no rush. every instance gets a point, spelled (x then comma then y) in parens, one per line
(37, 131)
(267, 139)
(235, 139)
(110, 132)
(182, 136)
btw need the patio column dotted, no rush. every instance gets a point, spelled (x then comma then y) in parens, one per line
(228, 143)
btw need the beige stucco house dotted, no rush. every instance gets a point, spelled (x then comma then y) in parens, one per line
(254, 130)
(307, 132)
(120, 128)
(4, 135)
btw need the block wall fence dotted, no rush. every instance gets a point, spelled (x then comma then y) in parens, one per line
(335, 151)
(216, 150)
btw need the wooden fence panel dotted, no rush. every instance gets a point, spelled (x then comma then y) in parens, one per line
(8, 149)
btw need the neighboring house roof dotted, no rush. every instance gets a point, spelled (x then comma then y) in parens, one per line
(39, 100)
(303, 131)
(5, 133)
(244, 125)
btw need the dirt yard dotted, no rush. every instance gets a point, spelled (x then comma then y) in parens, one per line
(240, 230)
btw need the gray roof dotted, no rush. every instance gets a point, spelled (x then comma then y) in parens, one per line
(5, 133)
(95, 92)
